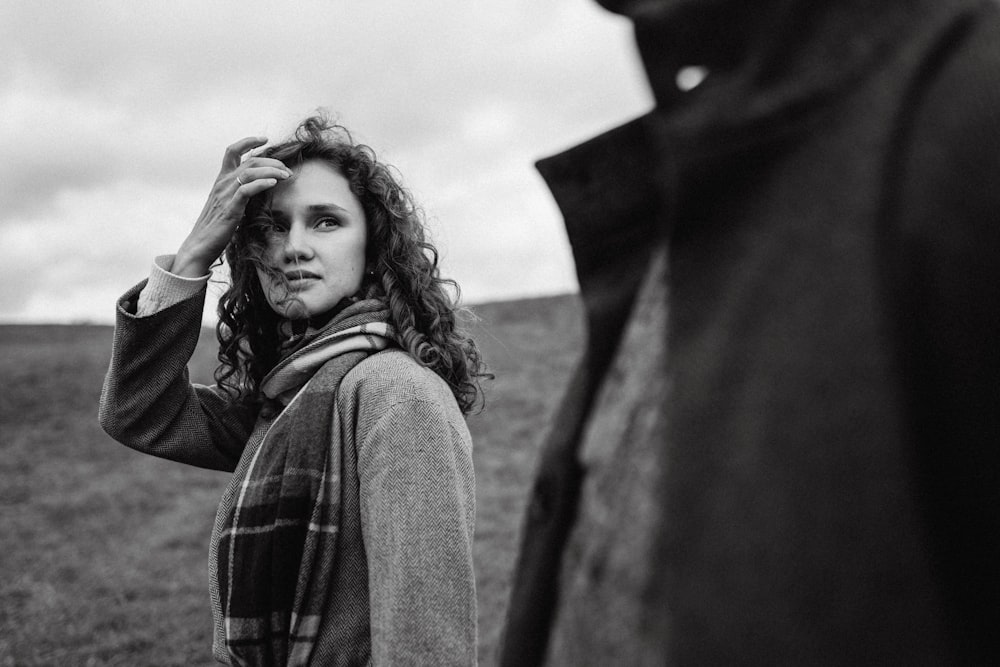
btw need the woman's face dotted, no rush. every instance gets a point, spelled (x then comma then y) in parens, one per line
(317, 240)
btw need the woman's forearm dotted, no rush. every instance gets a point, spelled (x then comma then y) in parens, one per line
(147, 402)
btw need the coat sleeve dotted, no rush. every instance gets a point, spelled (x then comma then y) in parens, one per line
(417, 515)
(148, 403)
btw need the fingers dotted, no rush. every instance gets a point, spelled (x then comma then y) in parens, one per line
(252, 180)
(235, 151)
(263, 162)
(250, 188)
(253, 175)
(244, 175)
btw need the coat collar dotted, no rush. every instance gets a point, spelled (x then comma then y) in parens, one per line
(615, 190)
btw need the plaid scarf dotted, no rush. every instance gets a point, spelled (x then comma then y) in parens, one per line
(277, 550)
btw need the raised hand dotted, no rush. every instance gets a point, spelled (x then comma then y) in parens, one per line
(237, 182)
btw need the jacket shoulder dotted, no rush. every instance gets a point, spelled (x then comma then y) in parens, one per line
(391, 377)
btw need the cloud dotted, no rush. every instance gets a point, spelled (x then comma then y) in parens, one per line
(115, 116)
(87, 248)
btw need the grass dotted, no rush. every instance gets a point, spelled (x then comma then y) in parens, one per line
(104, 550)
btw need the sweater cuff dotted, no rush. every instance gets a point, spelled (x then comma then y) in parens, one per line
(164, 289)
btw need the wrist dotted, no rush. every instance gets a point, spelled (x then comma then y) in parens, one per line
(187, 265)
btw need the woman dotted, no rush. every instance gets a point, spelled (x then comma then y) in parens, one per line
(345, 535)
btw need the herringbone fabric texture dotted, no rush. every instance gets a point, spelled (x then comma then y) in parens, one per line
(393, 582)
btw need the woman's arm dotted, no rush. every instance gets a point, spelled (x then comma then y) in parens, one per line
(148, 403)
(418, 512)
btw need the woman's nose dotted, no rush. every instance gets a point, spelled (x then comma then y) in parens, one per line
(297, 244)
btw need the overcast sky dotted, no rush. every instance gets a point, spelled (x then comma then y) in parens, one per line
(114, 116)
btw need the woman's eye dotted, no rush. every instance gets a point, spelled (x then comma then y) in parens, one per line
(327, 223)
(264, 224)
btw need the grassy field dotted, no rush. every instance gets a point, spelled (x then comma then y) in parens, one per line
(104, 551)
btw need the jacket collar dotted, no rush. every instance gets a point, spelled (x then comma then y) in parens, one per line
(616, 190)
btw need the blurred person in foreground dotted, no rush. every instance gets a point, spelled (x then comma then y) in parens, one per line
(345, 534)
(783, 443)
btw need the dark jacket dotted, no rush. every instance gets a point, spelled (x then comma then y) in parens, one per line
(782, 445)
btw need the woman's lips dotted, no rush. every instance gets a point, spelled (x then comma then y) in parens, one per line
(300, 280)
(296, 276)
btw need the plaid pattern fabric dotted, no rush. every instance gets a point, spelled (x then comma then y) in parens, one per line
(338, 338)
(278, 547)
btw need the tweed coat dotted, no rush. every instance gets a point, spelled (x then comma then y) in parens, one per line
(403, 589)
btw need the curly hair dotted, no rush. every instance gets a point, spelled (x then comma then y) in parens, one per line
(404, 274)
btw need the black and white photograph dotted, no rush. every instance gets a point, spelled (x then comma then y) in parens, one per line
(582, 332)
